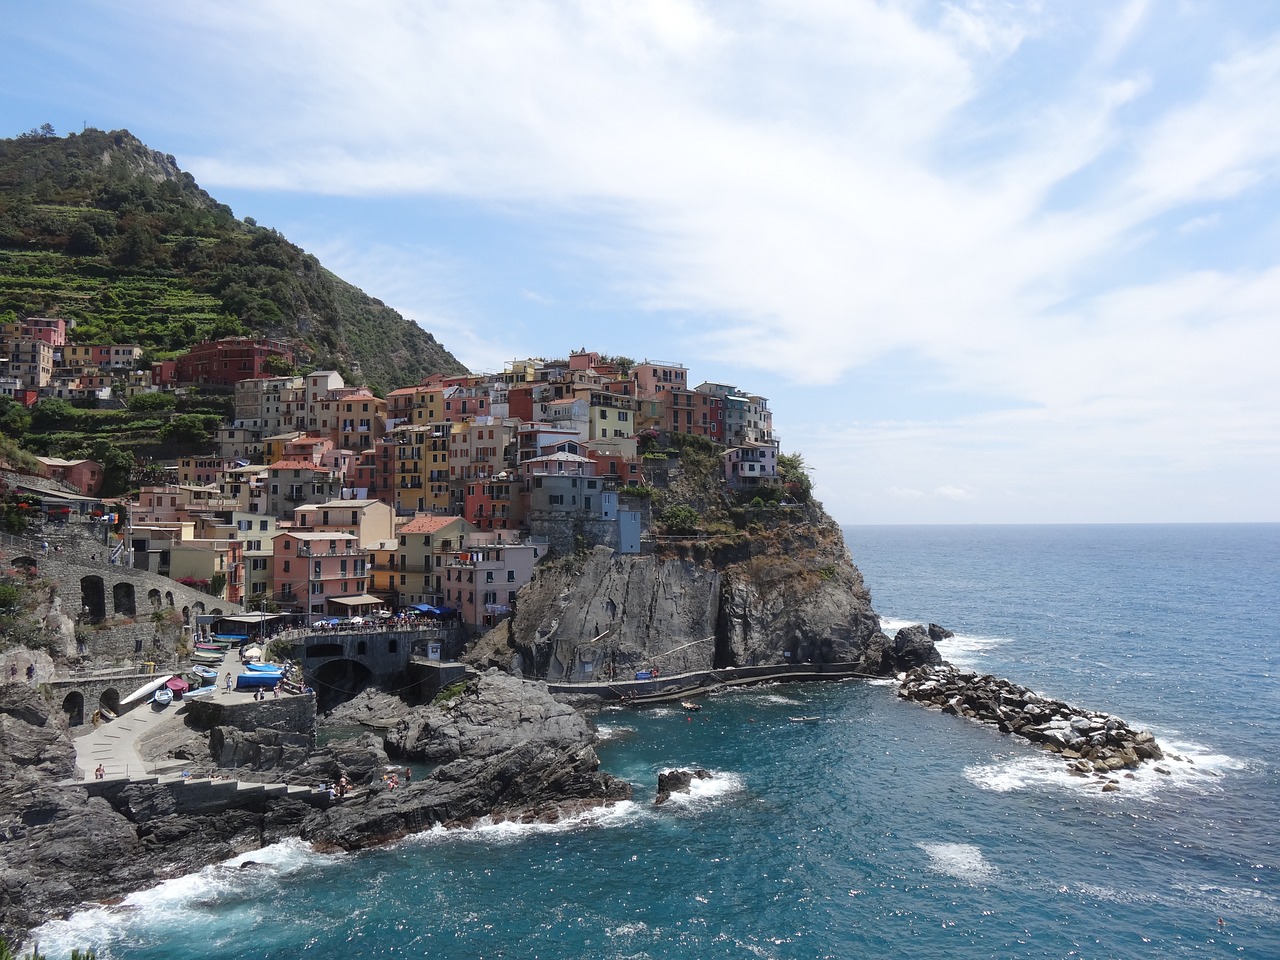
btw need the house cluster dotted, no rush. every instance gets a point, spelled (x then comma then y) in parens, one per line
(36, 361)
(323, 499)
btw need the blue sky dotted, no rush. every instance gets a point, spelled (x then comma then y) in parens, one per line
(990, 261)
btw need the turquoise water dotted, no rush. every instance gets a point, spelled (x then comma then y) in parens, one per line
(882, 829)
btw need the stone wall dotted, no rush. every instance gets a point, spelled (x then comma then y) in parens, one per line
(293, 713)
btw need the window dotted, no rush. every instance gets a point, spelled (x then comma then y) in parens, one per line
(488, 576)
(511, 576)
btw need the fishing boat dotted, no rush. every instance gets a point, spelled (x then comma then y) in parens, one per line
(199, 692)
(212, 647)
(162, 697)
(805, 719)
(264, 667)
(206, 658)
(151, 686)
(249, 681)
(204, 673)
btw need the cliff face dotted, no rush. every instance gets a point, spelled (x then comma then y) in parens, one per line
(785, 592)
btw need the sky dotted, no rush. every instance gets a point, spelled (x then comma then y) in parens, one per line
(990, 262)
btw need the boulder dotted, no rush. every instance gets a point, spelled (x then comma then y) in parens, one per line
(677, 781)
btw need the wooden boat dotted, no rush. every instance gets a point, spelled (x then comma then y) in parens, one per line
(264, 667)
(151, 686)
(199, 692)
(204, 673)
(212, 647)
(162, 697)
(691, 706)
(207, 658)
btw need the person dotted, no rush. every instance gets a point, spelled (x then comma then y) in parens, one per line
(13, 671)
(100, 773)
(228, 690)
(31, 671)
(275, 691)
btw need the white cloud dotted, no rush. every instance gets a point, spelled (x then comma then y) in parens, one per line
(987, 186)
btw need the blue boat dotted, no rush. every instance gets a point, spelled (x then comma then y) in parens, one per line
(250, 681)
(264, 667)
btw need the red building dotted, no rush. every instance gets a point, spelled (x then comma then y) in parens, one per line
(229, 361)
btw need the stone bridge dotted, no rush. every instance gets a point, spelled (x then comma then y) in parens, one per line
(80, 695)
(94, 591)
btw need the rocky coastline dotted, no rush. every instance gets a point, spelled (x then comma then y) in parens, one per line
(1090, 742)
(504, 747)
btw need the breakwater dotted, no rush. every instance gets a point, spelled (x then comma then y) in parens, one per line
(1093, 742)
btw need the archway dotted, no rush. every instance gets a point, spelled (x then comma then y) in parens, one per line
(157, 601)
(338, 681)
(186, 616)
(29, 565)
(109, 702)
(93, 598)
(123, 600)
(168, 597)
(73, 707)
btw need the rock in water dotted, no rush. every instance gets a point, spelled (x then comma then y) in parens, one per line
(677, 781)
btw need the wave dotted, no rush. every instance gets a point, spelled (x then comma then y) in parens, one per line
(182, 902)
(964, 650)
(964, 861)
(502, 832)
(1184, 767)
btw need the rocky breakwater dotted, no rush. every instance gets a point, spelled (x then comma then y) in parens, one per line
(1092, 742)
(507, 750)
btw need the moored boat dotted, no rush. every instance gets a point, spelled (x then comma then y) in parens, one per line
(206, 658)
(162, 697)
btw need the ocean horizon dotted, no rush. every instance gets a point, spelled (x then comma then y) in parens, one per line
(882, 827)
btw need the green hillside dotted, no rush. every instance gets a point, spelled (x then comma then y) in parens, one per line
(98, 228)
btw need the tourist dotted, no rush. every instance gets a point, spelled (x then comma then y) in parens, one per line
(31, 671)
(228, 690)
(275, 691)
(100, 773)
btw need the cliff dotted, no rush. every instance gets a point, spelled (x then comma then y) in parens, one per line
(782, 590)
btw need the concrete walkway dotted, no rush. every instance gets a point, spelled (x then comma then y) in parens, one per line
(114, 743)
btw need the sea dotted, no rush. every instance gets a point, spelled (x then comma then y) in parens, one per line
(879, 828)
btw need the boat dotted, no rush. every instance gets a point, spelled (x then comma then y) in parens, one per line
(264, 667)
(212, 647)
(691, 706)
(206, 658)
(199, 692)
(162, 697)
(249, 681)
(151, 686)
(204, 673)
(805, 719)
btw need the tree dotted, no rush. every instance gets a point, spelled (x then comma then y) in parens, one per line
(795, 476)
(187, 429)
(83, 241)
(15, 420)
(151, 402)
(680, 520)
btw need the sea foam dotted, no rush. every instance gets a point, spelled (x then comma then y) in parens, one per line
(964, 861)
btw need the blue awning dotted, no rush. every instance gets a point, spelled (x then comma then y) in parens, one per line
(426, 608)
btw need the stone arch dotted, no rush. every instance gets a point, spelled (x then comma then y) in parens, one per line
(198, 607)
(29, 564)
(186, 616)
(157, 601)
(73, 707)
(110, 700)
(122, 599)
(338, 681)
(216, 612)
(168, 597)
(93, 598)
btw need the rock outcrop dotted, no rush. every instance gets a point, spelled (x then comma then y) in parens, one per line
(1093, 742)
(676, 781)
(788, 594)
(506, 748)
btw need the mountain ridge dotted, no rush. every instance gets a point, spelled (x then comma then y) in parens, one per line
(100, 228)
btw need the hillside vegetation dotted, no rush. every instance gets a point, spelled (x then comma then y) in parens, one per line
(98, 228)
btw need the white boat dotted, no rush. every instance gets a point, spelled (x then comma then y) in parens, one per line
(151, 686)
(162, 697)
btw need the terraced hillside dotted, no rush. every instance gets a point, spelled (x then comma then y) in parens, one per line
(98, 228)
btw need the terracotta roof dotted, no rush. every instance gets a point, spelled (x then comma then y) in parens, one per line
(427, 524)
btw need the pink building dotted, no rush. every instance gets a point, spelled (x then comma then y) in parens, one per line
(321, 574)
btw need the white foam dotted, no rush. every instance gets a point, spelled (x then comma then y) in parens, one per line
(610, 731)
(703, 792)
(964, 861)
(1183, 768)
(964, 650)
(488, 830)
(180, 900)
